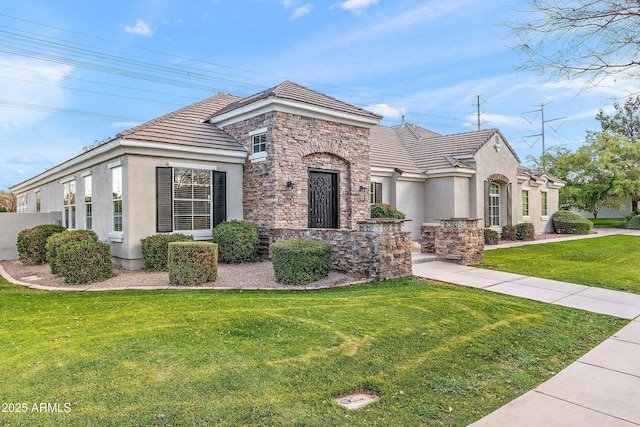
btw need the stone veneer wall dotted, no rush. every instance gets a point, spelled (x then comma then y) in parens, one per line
(428, 238)
(372, 254)
(295, 144)
(460, 241)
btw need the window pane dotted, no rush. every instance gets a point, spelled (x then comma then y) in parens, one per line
(181, 207)
(183, 223)
(201, 208)
(202, 222)
(116, 182)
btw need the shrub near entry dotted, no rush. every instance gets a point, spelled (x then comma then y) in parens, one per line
(508, 232)
(491, 237)
(383, 210)
(57, 240)
(31, 242)
(192, 263)
(298, 262)
(237, 241)
(155, 250)
(525, 231)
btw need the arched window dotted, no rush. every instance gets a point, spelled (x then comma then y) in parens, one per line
(494, 204)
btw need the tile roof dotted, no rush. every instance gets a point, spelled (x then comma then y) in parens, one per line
(187, 126)
(295, 92)
(410, 147)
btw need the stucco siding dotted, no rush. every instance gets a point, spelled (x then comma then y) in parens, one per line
(411, 202)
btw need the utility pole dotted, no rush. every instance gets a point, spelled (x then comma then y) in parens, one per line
(541, 134)
(479, 112)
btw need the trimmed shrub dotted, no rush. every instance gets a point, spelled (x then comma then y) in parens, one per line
(571, 223)
(32, 242)
(491, 237)
(383, 210)
(297, 262)
(86, 261)
(628, 217)
(525, 231)
(634, 223)
(59, 239)
(155, 250)
(237, 241)
(191, 263)
(508, 232)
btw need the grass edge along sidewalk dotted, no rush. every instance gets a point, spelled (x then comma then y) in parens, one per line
(435, 353)
(608, 262)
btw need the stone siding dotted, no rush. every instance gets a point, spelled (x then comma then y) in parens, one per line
(428, 238)
(460, 241)
(370, 254)
(294, 145)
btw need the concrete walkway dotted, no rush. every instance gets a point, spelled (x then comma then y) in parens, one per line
(602, 388)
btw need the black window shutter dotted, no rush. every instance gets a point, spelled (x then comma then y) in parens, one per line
(487, 206)
(378, 192)
(164, 211)
(219, 197)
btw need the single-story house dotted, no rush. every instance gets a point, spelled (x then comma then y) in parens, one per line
(287, 157)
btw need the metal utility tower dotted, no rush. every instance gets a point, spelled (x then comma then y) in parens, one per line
(543, 122)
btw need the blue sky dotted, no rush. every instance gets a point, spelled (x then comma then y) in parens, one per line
(73, 73)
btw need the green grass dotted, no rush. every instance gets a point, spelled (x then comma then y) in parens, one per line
(609, 262)
(607, 222)
(437, 354)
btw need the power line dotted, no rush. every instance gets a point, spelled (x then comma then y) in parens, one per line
(542, 134)
(57, 110)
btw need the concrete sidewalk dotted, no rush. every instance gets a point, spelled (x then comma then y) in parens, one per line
(602, 388)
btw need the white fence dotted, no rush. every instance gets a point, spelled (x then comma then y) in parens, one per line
(12, 223)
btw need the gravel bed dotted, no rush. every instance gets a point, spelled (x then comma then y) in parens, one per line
(258, 275)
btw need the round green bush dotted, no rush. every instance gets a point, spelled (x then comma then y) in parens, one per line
(630, 215)
(192, 263)
(155, 250)
(508, 232)
(297, 262)
(86, 261)
(571, 223)
(31, 242)
(634, 223)
(491, 237)
(382, 210)
(59, 239)
(237, 241)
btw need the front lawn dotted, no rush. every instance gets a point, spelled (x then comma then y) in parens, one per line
(609, 262)
(436, 354)
(607, 222)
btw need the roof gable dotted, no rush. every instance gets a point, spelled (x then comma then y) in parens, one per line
(287, 96)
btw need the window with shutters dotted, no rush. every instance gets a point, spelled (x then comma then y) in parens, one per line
(376, 192)
(191, 199)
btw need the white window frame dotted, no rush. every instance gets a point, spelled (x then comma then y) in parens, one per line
(69, 203)
(22, 202)
(88, 205)
(38, 201)
(544, 204)
(526, 207)
(117, 235)
(261, 154)
(193, 199)
(494, 205)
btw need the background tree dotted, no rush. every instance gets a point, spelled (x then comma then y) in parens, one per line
(8, 201)
(580, 38)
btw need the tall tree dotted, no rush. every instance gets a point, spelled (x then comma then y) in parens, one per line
(8, 201)
(580, 38)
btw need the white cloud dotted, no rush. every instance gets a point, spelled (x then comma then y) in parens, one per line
(357, 6)
(385, 110)
(141, 28)
(301, 11)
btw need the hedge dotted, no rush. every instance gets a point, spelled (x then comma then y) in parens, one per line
(634, 223)
(191, 263)
(571, 223)
(298, 262)
(491, 237)
(86, 261)
(382, 210)
(56, 240)
(508, 232)
(237, 241)
(525, 231)
(31, 242)
(155, 250)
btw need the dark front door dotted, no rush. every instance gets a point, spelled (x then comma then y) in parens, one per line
(323, 199)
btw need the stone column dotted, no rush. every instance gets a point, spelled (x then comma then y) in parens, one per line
(460, 241)
(428, 237)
